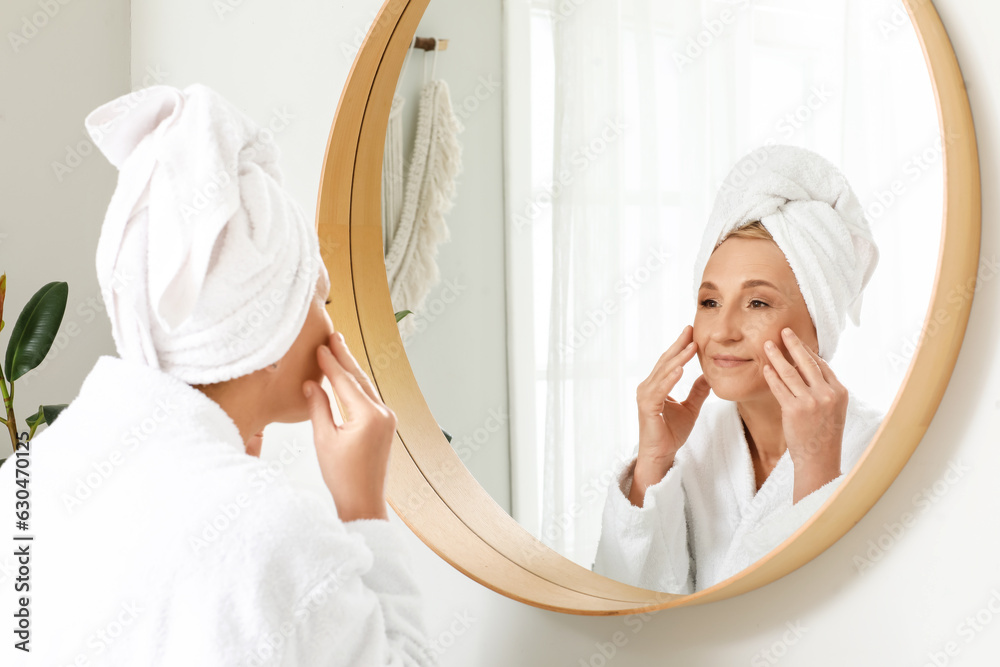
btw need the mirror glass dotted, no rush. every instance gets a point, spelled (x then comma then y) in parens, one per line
(619, 121)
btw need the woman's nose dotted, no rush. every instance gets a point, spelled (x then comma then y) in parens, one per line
(728, 325)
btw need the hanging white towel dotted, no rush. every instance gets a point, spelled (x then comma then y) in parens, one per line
(392, 172)
(411, 262)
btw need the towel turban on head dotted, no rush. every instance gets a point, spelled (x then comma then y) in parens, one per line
(207, 266)
(807, 206)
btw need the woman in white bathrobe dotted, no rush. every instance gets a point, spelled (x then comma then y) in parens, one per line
(160, 537)
(786, 255)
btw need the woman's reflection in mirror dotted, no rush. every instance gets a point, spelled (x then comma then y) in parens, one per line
(786, 255)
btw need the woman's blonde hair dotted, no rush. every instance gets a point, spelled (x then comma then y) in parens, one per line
(753, 230)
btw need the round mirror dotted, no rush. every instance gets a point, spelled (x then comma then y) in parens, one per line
(624, 118)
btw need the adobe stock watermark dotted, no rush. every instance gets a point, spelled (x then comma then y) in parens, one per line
(427, 314)
(957, 297)
(910, 172)
(606, 651)
(102, 470)
(350, 49)
(32, 24)
(223, 8)
(779, 648)
(76, 154)
(711, 30)
(273, 642)
(101, 640)
(564, 9)
(484, 90)
(579, 162)
(466, 447)
(897, 20)
(228, 512)
(922, 501)
(624, 289)
(967, 630)
(8, 568)
(207, 195)
(447, 638)
(593, 492)
(264, 308)
(87, 310)
(785, 128)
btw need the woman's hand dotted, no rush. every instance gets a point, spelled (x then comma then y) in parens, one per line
(813, 412)
(665, 424)
(353, 457)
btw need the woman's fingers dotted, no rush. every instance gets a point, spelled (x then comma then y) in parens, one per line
(672, 371)
(789, 374)
(808, 369)
(343, 355)
(699, 392)
(350, 392)
(778, 388)
(828, 375)
(685, 339)
(320, 413)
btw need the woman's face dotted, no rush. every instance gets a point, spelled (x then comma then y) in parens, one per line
(747, 296)
(299, 364)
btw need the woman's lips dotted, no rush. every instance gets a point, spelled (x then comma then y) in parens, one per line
(725, 361)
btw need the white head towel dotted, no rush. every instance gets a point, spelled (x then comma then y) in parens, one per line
(806, 204)
(207, 266)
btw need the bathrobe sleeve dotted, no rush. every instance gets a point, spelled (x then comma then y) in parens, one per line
(392, 582)
(646, 546)
(289, 584)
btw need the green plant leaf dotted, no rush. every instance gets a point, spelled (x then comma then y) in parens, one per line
(46, 415)
(53, 411)
(35, 329)
(37, 418)
(401, 314)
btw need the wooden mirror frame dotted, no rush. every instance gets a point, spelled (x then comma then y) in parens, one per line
(428, 485)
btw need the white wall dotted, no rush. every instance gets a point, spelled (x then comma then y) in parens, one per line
(54, 185)
(912, 601)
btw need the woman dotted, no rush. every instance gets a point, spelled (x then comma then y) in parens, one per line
(161, 538)
(785, 258)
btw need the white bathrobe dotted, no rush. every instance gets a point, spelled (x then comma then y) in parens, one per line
(159, 541)
(705, 520)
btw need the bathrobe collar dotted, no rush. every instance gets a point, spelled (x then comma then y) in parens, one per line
(751, 502)
(147, 391)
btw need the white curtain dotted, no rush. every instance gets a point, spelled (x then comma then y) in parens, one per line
(640, 108)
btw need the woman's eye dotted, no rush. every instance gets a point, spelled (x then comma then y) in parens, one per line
(757, 303)
(708, 303)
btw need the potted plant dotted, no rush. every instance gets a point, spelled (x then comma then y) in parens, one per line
(30, 340)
